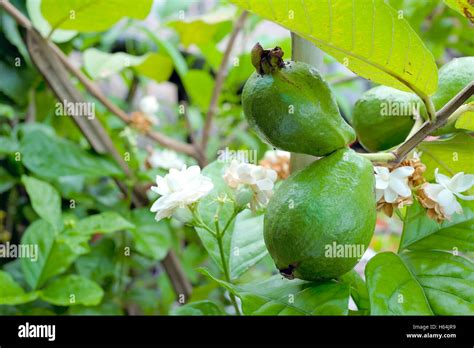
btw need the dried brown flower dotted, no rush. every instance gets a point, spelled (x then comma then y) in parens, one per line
(279, 161)
(434, 210)
(417, 178)
(388, 208)
(140, 121)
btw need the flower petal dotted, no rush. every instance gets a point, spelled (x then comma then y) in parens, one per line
(381, 170)
(461, 182)
(402, 172)
(400, 187)
(442, 179)
(380, 182)
(446, 198)
(389, 195)
(432, 191)
(464, 197)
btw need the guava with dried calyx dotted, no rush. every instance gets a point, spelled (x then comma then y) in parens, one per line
(452, 78)
(321, 219)
(291, 106)
(384, 116)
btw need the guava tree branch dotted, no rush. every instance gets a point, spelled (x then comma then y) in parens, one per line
(220, 80)
(428, 128)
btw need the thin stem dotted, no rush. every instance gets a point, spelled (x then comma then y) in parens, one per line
(220, 80)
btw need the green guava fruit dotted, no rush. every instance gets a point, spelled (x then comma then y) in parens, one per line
(322, 218)
(452, 78)
(383, 117)
(291, 106)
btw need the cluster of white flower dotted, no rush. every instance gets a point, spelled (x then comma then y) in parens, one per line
(392, 185)
(445, 191)
(179, 189)
(259, 179)
(166, 159)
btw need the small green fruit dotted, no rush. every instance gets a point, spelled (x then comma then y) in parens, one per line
(452, 78)
(292, 107)
(383, 117)
(328, 205)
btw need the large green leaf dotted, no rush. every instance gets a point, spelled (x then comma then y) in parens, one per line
(392, 288)
(55, 253)
(152, 238)
(279, 296)
(448, 280)
(42, 25)
(199, 308)
(92, 15)
(366, 35)
(420, 232)
(358, 289)
(107, 222)
(451, 155)
(72, 290)
(51, 157)
(15, 82)
(247, 245)
(45, 200)
(99, 264)
(100, 64)
(199, 85)
(11, 293)
(8, 145)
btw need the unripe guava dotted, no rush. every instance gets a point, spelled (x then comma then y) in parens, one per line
(383, 117)
(329, 204)
(292, 107)
(452, 78)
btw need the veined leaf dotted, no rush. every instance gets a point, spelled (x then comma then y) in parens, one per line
(73, 290)
(367, 36)
(464, 7)
(92, 15)
(451, 155)
(422, 233)
(447, 280)
(392, 288)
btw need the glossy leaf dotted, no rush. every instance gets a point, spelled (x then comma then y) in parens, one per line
(51, 157)
(72, 290)
(367, 36)
(55, 253)
(45, 200)
(422, 233)
(92, 15)
(447, 279)
(451, 155)
(106, 222)
(392, 288)
(247, 245)
(11, 293)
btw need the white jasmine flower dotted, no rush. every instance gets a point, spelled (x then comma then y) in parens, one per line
(391, 185)
(149, 105)
(179, 189)
(447, 189)
(165, 159)
(259, 179)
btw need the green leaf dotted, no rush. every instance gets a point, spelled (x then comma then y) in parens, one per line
(199, 308)
(54, 253)
(466, 120)
(73, 290)
(8, 145)
(392, 288)
(100, 64)
(104, 223)
(247, 245)
(451, 155)
(448, 280)
(199, 85)
(358, 289)
(92, 15)
(42, 25)
(45, 200)
(152, 238)
(51, 157)
(15, 82)
(365, 35)
(11, 293)
(279, 296)
(210, 27)
(464, 7)
(99, 264)
(422, 233)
